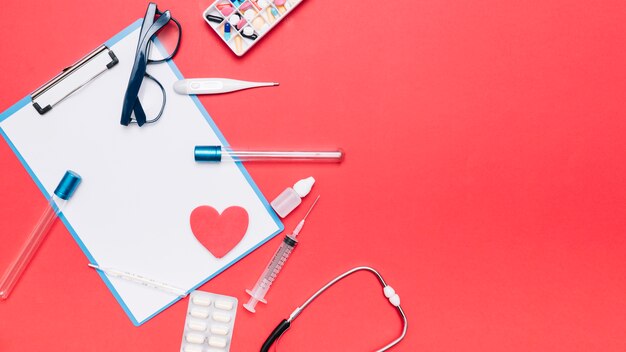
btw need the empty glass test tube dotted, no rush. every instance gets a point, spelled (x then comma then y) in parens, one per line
(215, 153)
(56, 202)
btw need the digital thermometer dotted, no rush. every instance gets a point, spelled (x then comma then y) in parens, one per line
(216, 85)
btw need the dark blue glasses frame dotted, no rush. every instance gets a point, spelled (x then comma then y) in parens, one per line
(153, 22)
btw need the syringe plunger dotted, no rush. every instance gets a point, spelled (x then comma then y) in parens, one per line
(269, 275)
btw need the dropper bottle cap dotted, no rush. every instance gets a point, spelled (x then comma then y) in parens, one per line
(303, 187)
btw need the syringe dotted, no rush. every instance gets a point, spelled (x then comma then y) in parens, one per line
(276, 264)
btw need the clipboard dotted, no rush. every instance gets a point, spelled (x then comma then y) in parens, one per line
(139, 185)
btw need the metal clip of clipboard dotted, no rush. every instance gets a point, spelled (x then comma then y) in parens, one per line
(73, 78)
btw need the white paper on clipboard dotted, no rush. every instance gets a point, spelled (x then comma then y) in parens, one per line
(139, 185)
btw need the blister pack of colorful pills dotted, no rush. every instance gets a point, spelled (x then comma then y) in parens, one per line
(209, 324)
(242, 23)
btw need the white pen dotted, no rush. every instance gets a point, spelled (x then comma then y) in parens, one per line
(215, 85)
(141, 280)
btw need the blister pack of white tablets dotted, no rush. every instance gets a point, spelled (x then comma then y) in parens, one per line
(209, 324)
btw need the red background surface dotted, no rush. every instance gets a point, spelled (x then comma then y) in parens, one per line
(484, 175)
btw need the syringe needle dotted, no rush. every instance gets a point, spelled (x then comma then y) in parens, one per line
(296, 231)
(311, 208)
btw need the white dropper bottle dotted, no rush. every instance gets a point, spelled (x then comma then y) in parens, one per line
(290, 198)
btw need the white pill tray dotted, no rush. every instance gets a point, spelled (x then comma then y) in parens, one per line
(209, 324)
(255, 17)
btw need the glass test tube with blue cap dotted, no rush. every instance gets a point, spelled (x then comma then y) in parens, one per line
(56, 202)
(216, 153)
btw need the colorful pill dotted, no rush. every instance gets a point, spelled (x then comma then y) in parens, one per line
(248, 32)
(241, 23)
(238, 45)
(227, 10)
(227, 31)
(270, 16)
(246, 5)
(213, 18)
(234, 19)
(258, 23)
(249, 14)
(275, 12)
(222, 5)
(280, 4)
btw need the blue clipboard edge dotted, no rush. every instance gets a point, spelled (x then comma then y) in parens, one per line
(20, 104)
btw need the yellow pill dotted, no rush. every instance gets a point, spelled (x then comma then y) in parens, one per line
(258, 23)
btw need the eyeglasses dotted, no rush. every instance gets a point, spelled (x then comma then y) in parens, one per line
(153, 24)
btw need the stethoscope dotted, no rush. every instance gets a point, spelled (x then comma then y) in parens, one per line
(388, 291)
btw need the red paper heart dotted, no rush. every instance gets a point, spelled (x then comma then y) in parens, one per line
(219, 233)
